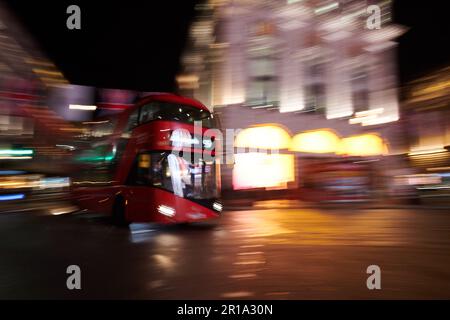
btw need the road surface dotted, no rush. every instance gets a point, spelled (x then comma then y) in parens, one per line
(256, 254)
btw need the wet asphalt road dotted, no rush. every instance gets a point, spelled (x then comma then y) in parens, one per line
(260, 254)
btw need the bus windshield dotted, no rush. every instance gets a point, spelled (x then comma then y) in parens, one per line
(173, 173)
(159, 110)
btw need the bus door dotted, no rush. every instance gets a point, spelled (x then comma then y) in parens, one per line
(139, 194)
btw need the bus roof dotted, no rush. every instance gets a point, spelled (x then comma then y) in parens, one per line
(171, 97)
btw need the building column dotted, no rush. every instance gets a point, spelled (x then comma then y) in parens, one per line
(383, 93)
(291, 75)
(338, 97)
(233, 66)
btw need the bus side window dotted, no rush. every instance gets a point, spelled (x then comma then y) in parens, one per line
(102, 128)
(132, 120)
(151, 169)
(97, 165)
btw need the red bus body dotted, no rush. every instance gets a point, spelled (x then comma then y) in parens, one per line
(144, 202)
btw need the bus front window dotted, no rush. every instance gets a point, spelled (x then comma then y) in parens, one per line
(159, 110)
(192, 180)
(168, 171)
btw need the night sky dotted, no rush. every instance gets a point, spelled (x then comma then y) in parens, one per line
(426, 45)
(127, 44)
(136, 44)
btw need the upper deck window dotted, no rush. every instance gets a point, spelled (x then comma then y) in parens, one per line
(158, 110)
(132, 120)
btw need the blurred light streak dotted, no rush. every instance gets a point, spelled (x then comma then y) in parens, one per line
(9, 197)
(418, 179)
(11, 172)
(237, 294)
(188, 81)
(164, 261)
(65, 146)
(438, 169)
(15, 158)
(327, 8)
(82, 107)
(12, 152)
(426, 151)
(379, 120)
(63, 210)
(251, 246)
(242, 276)
(54, 182)
(47, 72)
(366, 116)
(250, 262)
(250, 253)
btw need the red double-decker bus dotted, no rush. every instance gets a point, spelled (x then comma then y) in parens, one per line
(153, 162)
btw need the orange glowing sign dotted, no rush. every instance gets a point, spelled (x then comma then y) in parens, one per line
(363, 145)
(263, 137)
(317, 141)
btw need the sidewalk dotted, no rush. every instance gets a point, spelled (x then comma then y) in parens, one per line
(243, 204)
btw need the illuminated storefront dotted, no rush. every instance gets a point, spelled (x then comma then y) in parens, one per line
(314, 162)
(265, 165)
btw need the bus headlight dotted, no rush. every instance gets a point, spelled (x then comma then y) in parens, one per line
(166, 210)
(217, 206)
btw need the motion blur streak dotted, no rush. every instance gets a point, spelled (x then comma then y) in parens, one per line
(337, 160)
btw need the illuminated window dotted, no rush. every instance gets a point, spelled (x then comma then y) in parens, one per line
(360, 89)
(315, 88)
(263, 81)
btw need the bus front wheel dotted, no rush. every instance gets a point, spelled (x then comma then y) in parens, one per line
(118, 213)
